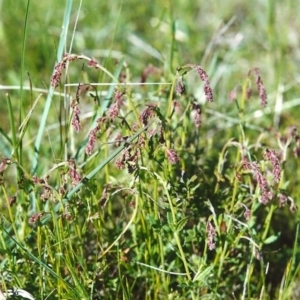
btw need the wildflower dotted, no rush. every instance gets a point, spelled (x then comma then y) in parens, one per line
(161, 136)
(270, 155)
(211, 233)
(263, 185)
(62, 190)
(247, 213)
(197, 114)
(67, 215)
(120, 163)
(146, 115)
(232, 95)
(12, 200)
(260, 86)
(208, 92)
(180, 88)
(141, 141)
(248, 93)
(202, 74)
(151, 133)
(105, 194)
(119, 139)
(79, 90)
(172, 156)
(293, 131)
(93, 63)
(296, 149)
(266, 194)
(4, 163)
(46, 193)
(176, 104)
(207, 88)
(55, 79)
(59, 67)
(35, 218)
(283, 199)
(150, 70)
(91, 141)
(238, 176)
(74, 175)
(119, 97)
(93, 135)
(113, 111)
(293, 207)
(75, 120)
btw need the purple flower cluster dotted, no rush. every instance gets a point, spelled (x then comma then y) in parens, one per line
(284, 199)
(76, 120)
(247, 213)
(35, 217)
(295, 136)
(129, 158)
(211, 233)
(172, 156)
(266, 193)
(197, 114)
(260, 87)
(207, 88)
(113, 110)
(60, 66)
(3, 165)
(75, 106)
(180, 88)
(147, 114)
(93, 135)
(270, 155)
(46, 190)
(74, 175)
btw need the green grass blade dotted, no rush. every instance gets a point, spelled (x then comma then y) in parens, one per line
(61, 47)
(41, 263)
(12, 124)
(22, 78)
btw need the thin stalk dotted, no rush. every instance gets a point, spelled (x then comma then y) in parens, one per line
(12, 126)
(22, 79)
(61, 47)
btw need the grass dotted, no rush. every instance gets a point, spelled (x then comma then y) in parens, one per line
(158, 159)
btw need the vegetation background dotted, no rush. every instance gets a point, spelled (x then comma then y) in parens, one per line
(152, 242)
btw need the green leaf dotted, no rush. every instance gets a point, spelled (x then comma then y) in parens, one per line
(181, 223)
(170, 221)
(203, 275)
(271, 239)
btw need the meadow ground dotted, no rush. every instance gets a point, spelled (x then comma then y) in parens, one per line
(149, 149)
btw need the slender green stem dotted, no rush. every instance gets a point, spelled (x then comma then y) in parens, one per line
(12, 126)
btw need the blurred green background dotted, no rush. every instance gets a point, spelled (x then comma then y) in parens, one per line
(260, 33)
(226, 38)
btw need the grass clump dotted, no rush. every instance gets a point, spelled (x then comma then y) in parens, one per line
(148, 183)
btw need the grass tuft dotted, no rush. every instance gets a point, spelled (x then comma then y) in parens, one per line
(159, 165)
